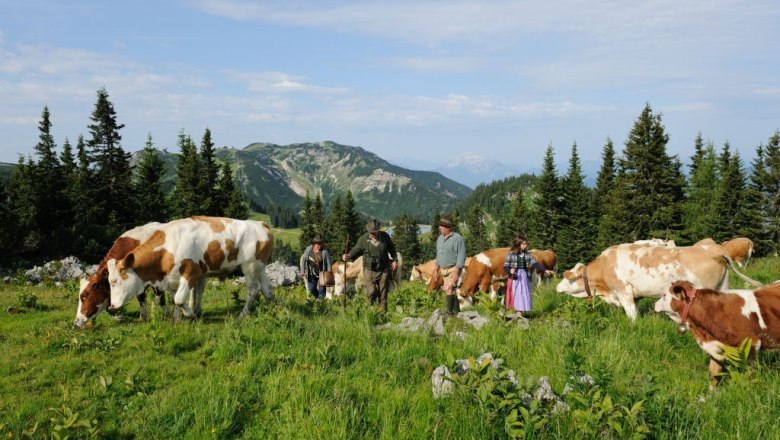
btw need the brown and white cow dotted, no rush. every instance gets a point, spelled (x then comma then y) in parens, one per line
(739, 249)
(627, 271)
(94, 292)
(546, 258)
(181, 254)
(425, 270)
(487, 266)
(354, 278)
(717, 319)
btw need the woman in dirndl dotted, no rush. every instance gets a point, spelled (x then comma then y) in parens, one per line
(518, 265)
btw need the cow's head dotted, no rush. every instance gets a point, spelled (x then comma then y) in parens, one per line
(340, 286)
(93, 298)
(676, 291)
(416, 273)
(572, 283)
(124, 282)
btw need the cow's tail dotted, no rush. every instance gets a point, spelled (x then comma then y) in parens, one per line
(747, 279)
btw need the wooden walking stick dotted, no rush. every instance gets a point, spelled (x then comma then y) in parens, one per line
(346, 249)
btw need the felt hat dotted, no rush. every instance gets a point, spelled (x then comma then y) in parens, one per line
(316, 240)
(373, 225)
(446, 221)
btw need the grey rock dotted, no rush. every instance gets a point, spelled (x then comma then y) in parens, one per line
(441, 383)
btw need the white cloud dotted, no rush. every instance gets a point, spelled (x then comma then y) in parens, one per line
(279, 82)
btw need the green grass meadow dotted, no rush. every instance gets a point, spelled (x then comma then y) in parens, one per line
(304, 369)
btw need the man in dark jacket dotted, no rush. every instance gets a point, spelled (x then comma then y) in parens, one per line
(379, 260)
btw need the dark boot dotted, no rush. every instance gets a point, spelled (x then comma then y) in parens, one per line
(455, 305)
(450, 305)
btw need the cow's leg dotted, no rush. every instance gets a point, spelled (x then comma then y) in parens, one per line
(143, 316)
(180, 300)
(627, 301)
(715, 368)
(196, 299)
(256, 280)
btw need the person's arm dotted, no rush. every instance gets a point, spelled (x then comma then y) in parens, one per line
(460, 262)
(302, 263)
(356, 250)
(326, 264)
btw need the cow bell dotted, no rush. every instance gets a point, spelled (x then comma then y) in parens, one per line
(682, 328)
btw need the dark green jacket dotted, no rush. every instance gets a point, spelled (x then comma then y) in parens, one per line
(375, 258)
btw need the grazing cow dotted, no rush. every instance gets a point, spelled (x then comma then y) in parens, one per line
(739, 249)
(354, 278)
(94, 292)
(183, 253)
(546, 258)
(657, 242)
(718, 319)
(627, 271)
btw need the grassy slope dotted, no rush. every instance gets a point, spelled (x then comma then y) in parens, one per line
(299, 369)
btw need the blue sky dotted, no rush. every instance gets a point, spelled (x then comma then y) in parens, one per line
(410, 81)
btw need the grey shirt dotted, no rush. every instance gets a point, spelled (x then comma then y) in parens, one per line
(451, 251)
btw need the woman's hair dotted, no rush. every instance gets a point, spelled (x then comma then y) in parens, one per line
(519, 240)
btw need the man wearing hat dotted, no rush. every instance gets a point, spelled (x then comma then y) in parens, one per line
(379, 259)
(450, 260)
(315, 258)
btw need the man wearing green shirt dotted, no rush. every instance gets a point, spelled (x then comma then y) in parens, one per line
(379, 259)
(450, 261)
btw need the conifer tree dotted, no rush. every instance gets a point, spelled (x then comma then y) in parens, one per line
(477, 239)
(113, 175)
(699, 211)
(772, 186)
(546, 205)
(186, 197)
(149, 173)
(7, 224)
(754, 210)
(576, 231)
(514, 222)
(429, 250)
(308, 227)
(650, 183)
(22, 201)
(605, 179)
(354, 221)
(406, 237)
(337, 224)
(730, 197)
(209, 174)
(49, 197)
(236, 206)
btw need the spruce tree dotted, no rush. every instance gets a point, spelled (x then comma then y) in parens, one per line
(650, 181)
(772, 188)
(514, 222)
(699, 210)
(730, 198)
(113, 174)
(49, 197)
(576, 231)
(22, 201)
(354, 221)
(337, 224)
(429, 249)
(546, 205)
(605, 179)
(209, 174)
(476, 239)
(308, 227)
(754, 209)
(149, 174)
(186, 198)
(406, 237)
(235, 204)
(7, 224)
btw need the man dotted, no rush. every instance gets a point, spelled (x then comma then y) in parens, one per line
(450, 261)
(379, 259)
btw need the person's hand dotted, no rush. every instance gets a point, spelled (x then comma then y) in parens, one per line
(549, 272)
(345, 257)
(394, 265)
(512, 271)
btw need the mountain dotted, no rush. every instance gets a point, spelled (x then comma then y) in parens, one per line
(471, 169)
(278, 175)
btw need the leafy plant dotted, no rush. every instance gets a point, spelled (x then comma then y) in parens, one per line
(735, 361)
(27, 300)
(596, 415)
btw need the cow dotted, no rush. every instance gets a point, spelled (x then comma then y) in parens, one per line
(354, 276)
(627, 271)
(717, 319)
(94, 292)
(546, 258)
(657, 242)
(739, 249)
(424, 272)
(487, 266)
(181, 254)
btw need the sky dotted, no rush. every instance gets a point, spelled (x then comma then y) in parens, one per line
(421, 81)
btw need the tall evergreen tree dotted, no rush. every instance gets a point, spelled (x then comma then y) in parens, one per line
(547, 204)
(429, 249)
(236, 206)
(337, 224)
(88, 228)
(514, 222)
(209, 174)
(772, 186)
(7, 224)
(149, 194)
(576, 231)
(730, 197)
(23, 205)
(406, 237)
(186, 198)
(354, 220)
(605, 184)
(49, 197)
(651, 182)
(113, 174)
(699, 211)
(308, 222)
(476, 239)
(755, 210)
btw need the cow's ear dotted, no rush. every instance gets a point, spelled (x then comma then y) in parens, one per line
(128, 261)
(678, 289)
